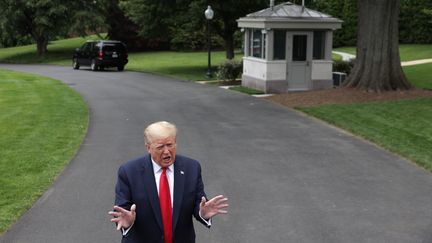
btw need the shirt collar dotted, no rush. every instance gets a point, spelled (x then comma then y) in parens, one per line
(157, 168)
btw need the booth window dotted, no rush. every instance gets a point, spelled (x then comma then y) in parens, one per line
(299, 48)
(257, 43)
(319, 45)
(279, 44)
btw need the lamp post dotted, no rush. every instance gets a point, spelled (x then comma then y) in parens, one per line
(209, 16)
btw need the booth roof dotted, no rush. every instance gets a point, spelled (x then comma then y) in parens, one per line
(289, 10)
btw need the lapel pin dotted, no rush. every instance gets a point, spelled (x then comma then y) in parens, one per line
(181, 172)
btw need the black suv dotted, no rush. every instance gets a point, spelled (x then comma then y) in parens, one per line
(101, 54)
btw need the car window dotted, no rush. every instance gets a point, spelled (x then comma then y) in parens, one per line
(114, 47)
(86, 47)
(82, 48)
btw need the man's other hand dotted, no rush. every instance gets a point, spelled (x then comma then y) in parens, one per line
(122, 217)
(213, 207)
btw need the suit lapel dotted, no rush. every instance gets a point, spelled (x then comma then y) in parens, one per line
(179, 180)
(150, 185)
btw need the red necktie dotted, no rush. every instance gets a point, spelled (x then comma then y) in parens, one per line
(165, 204)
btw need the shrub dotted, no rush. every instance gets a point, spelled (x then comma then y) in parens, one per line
(229, 70)
(184, 40)
(343, 66)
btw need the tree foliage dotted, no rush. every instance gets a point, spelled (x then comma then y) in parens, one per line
(182, 21)
(179, 24)
(415, 24)
(188, 28)
(87, 17)
(119, 26)
(416, 21)
(45, 20)
(226, 14)
(150, 15)
(42, 20)
(342, 9)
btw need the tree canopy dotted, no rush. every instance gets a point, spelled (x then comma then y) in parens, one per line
(45, 20)
(181, 18)
(176, 24)
(415, 23)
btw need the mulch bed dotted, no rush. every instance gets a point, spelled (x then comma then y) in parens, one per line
(343, 96)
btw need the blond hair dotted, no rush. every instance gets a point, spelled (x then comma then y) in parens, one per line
(160, 129)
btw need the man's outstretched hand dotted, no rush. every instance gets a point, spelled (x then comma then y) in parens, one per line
(213, 207)
(122, 217)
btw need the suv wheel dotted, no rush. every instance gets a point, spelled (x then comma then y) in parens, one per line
(94, 66)
(75, 64)
(120, 68)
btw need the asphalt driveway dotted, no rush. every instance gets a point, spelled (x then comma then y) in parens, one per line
(289, 178)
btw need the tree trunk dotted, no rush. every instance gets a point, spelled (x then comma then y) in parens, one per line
(42, 44)
(226, 31)
(229, 46)
(378, 66)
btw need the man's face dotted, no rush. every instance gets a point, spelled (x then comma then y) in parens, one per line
(163, 151)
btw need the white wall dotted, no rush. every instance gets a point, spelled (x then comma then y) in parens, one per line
(264, 70)
(322, 70)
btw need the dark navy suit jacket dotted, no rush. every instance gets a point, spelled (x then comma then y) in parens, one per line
(136, 185)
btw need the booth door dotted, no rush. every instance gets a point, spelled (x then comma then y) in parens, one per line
(299, 48)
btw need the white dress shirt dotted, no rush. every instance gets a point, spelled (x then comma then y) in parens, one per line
(157, 170)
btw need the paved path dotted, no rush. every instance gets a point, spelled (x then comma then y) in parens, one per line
(289, 178)
(347, 57)
(416, 62)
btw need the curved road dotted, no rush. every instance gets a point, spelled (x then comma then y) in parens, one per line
(289, 178)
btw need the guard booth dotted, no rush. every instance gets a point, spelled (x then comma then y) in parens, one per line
(288, 47)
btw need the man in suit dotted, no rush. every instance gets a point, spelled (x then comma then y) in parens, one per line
(157, 194)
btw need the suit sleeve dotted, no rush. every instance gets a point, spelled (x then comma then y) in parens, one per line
(199, 194)
(122, 190)
(123, 198)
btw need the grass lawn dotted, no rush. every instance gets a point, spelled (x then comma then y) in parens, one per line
(182, 65)
(408, 52)
(42, 124)
(336, 57)
(403, 127)
(246, 90)
(419, 75)
(59, 52)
